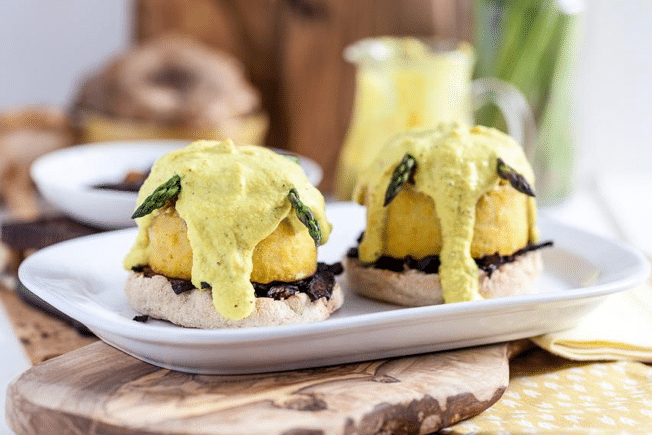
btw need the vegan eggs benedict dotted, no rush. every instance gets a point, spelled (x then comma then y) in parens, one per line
(451, 217)
(227, 237)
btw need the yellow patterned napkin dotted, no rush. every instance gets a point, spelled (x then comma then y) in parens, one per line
(548, 394)
(591, 379)
(620, 328)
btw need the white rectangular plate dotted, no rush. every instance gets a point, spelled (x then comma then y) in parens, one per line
(84, 279)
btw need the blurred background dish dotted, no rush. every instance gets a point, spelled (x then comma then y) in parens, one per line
(170, 87)
(67, 178)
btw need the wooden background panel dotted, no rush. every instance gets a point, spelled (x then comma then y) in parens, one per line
(292, 50)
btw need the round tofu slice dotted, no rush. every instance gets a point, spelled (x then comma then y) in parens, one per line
(287, 254)
(412, 227)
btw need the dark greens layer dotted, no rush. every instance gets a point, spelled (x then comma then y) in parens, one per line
(319, 285)
(431, 263)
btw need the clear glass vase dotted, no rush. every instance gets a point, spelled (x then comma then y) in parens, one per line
(535, 45)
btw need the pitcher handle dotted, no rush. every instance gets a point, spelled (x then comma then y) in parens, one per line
(514, 107)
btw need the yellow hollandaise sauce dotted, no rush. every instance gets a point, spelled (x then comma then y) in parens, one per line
(455, 181)
(231, 198)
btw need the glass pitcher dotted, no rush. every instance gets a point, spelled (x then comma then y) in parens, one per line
(404, 83)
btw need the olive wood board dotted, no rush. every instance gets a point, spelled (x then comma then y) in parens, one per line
(101, 390)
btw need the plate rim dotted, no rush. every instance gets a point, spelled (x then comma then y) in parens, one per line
(110, 146)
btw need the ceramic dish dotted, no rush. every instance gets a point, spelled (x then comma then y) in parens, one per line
(65, 178)
(84, 279)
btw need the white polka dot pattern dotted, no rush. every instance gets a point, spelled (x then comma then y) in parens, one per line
(548, 394)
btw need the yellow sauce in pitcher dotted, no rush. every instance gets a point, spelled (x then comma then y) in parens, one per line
(401, 83)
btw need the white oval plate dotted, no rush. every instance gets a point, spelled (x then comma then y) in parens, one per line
(65, 178)
(84, 279)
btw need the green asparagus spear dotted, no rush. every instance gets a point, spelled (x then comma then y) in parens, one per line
(165, 192)
(402, 173)
(292, 157)
(305, 215)
(517, 181)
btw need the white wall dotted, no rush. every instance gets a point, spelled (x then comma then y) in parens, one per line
(615, 91)
(46, 45)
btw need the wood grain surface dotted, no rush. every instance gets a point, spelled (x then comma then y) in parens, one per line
(42, 335)
(100, 390)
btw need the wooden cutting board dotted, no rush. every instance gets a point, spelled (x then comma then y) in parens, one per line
(98, 389)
